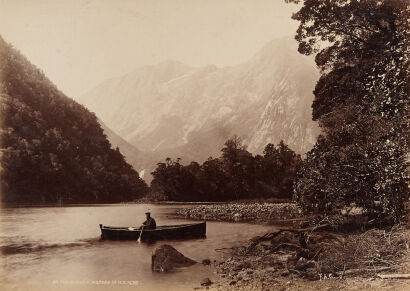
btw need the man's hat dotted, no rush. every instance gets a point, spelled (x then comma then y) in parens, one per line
(147, 212)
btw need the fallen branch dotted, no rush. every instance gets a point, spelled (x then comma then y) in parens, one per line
(305, 218)
(395, 276)
(362, 271)
(223, 249)
(272, 235)
(286, 245)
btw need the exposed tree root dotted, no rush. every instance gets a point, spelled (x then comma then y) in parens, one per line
(316, 251)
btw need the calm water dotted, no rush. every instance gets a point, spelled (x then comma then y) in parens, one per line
(59, 248)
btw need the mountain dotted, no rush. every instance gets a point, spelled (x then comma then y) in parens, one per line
(174, 110)
(53, 150)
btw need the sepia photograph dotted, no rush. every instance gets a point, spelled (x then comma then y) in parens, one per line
(173, 145)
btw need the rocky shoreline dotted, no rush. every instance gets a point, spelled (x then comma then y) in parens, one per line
(265, 271)
(268, 266)
(263, 213)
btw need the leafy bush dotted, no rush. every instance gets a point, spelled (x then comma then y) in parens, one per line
(361, 103)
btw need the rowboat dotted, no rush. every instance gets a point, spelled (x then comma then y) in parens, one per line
(165, 232)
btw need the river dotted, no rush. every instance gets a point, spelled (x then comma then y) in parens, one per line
(59, 248)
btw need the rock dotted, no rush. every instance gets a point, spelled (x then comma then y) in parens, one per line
(285, 273)
(233, 282)
(206, 282)
(237, 217)
(305, 265)
(206, 262)
(167, 258)
(270, 270)
(249, 272)
(311, 274)
(238, 267)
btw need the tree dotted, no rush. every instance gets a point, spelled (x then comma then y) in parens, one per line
(235, 175)
(361, 103)
(279, 167)
(239, 166)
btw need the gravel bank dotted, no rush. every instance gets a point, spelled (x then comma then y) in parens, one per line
(269, 213)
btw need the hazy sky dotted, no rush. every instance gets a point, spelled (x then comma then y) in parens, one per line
(80, 43)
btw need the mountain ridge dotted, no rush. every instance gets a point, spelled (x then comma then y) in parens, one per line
(172, 109)
(52, 149)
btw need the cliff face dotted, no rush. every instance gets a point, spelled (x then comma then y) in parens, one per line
(53, 150)
(174, 110)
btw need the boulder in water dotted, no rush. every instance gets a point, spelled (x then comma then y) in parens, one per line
(167, 258)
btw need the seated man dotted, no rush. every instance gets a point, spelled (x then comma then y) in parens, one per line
(150, 222)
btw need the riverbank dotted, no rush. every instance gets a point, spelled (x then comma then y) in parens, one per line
(254, 212)
(341, 262)
(329, 260)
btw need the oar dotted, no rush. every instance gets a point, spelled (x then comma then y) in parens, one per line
(139, 239)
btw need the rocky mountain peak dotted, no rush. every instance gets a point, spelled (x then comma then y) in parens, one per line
(171, 109)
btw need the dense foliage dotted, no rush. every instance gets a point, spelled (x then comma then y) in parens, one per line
(362, 104)
(237, 174)
(52, 149)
